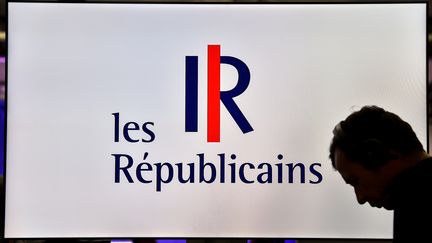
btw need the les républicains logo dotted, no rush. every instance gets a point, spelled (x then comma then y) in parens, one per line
(214, 94)
(221, 168)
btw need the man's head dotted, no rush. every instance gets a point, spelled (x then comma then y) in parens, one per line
(369, 148)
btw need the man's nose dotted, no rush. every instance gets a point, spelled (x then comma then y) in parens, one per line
(360, 197)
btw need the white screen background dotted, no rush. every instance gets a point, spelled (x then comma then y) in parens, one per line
(70, 66)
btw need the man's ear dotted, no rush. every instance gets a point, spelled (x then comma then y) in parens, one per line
(394, 155)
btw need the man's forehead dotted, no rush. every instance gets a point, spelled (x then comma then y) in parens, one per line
(340, 160)
(342, 165)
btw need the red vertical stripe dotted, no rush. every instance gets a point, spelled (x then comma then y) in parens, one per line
(213, 94)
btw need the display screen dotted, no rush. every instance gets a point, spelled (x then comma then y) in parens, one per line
(199, 120)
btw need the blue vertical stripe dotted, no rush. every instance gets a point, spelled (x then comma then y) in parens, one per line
(191, 109)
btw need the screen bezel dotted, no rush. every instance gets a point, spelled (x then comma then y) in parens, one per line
(195, 3)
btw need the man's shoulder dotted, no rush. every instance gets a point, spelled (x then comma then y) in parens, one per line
(413, 213)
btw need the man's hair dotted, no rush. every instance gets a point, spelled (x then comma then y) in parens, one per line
(371, 136)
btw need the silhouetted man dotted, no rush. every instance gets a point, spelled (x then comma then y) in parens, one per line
(379, 155)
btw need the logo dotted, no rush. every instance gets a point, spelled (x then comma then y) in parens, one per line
(214, 94)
